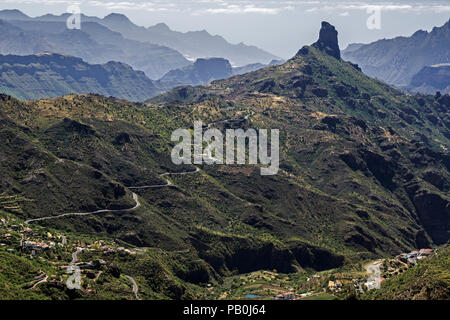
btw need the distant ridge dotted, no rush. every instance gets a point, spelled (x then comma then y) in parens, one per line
(94, 43)
(431, 79)
(47, 74)
(364, 174)
(192, 44)
(397, 60)
(203, 71)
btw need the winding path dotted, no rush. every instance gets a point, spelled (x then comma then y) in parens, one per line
(75, 256)
(168, 182)
(137, 205)
(230, 120)
(40, 281)
(135, 198)
(135, 287)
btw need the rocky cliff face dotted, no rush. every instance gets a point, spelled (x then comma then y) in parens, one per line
(328, 40)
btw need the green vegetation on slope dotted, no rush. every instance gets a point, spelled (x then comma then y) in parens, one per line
(428, 280)
(49, 75)
(364, 173)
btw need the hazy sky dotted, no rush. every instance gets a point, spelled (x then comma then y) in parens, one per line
(281, 27)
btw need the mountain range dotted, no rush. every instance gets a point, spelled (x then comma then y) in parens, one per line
(396, 61)
(193, 45)
(94, 43)
(49, 75)
(364, 173)
(203, 71)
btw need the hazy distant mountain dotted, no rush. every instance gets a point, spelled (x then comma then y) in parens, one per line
(202, 71)
(49, 75)
(364, 175)
(397, 60)
(353, 47)
(193, 44)
(431, 79)
(13, 15)
(255, 66)
(94, 43)
(248, 68)
(206, 70)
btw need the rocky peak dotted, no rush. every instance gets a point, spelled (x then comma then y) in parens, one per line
(328, 40)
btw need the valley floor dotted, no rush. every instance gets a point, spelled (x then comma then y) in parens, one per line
(39, 263)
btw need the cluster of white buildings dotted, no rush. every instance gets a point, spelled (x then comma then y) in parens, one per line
(413, 256)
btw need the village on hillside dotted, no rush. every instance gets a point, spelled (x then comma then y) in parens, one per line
(63, 255)
(351, 280)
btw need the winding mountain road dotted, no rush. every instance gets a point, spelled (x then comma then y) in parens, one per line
(75, 256)
(137, 205)
(40, 281)
(135, 198)
(135, 287)
(374, 266)
(168, 182)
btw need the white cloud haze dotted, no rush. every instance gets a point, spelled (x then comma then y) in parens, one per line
(281, 27)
